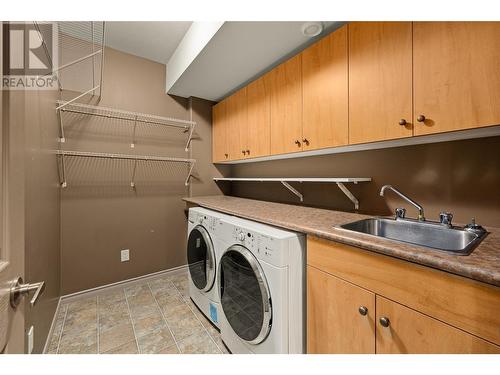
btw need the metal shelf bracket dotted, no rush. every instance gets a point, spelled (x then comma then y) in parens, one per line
(349, 195)
(190, 136)
(132, 182)
(190, 173)
(293, 190)
(62, 172)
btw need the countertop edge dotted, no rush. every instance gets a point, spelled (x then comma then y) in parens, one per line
(466, 272)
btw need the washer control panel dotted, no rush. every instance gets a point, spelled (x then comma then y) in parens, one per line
(262, 246)
(208, 222)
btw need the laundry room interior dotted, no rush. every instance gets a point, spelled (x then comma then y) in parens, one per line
(250, 187)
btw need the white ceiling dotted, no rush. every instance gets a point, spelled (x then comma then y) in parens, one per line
(155, 41)
(238, 53)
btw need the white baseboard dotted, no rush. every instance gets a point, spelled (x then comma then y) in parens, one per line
(122, 283)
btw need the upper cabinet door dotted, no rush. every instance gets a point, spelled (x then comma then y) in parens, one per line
(380, 81)
(286, 106)
(219, 129)
(456, 75)
(325, 92)
(259, 118)
(237, 124)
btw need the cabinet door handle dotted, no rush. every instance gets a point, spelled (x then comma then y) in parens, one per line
(306, 141)
(363, 310)
(402, 122)
(248, 152)
(297, 142)
(384, 322)
(226, 155)
(243, 152)
(420, 118)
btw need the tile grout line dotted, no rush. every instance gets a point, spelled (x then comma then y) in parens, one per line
(97, 321)
(132, 321)
(205, 328)
(165, 319)
(62, 329)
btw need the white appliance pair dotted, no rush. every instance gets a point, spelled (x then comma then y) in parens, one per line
(249, 280)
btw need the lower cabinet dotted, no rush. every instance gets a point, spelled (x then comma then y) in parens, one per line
(343, 315)
(361, 302)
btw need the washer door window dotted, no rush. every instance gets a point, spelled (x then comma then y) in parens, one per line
(244, 293)
(201, 258)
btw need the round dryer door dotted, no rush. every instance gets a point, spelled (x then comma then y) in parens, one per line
(201, 258)
(244, 293)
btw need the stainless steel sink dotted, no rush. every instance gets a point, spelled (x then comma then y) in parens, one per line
(422, 233)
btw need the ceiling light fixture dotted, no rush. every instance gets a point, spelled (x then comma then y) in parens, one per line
(312, 29)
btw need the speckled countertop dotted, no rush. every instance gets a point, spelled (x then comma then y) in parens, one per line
(483, 264)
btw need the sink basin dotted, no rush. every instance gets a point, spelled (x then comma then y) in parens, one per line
(427, 234)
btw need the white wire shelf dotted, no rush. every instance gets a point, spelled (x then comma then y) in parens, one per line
(118, 114)
(80, 54)
(134, 159)
(340, 181)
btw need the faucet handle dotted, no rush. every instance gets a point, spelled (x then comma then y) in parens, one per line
(400, 213)
(445, 218)
(472, 226)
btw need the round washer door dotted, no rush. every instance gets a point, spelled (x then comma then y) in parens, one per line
(244, 294)
(201, 258)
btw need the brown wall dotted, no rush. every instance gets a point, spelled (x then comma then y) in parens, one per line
(42, 209)
(29, 128)
(461, 176)
(101, 214)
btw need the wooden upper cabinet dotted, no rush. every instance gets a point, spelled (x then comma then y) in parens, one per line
(380, 81)
(412, 332)
(456, 75)
(219, 128)
(237, 121)
(286, 106)
(335, 323)
(325, 92)
(258, 135)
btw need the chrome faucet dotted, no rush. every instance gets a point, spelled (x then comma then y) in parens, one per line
(400, 212)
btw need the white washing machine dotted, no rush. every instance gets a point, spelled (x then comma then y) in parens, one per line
(203, 254)
(261, 283)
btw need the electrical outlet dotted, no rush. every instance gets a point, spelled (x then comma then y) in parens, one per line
(31, 339)
(125, 255)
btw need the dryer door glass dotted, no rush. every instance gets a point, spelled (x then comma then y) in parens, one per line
(201, 258)
(245, 297)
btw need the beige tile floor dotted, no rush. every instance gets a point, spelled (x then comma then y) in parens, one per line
(154, 316)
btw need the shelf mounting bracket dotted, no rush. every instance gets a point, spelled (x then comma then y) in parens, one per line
(191, 166)
(349, 195)
(293, 190)
(132, 145)
(62, 139)
(62, 172)
(132, 182)
(190, 136)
